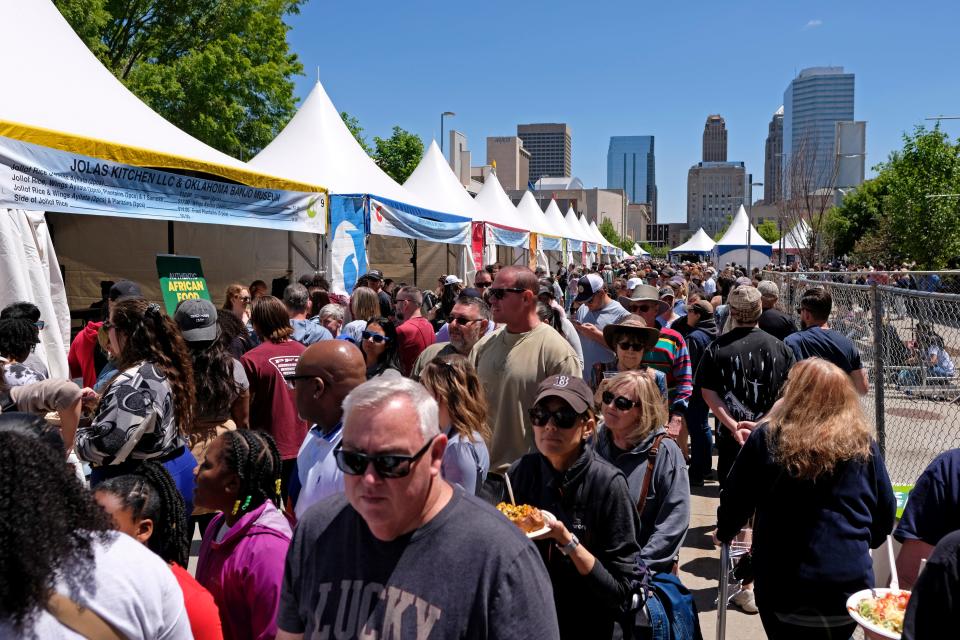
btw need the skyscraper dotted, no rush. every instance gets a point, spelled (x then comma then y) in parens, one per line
(715, 190)
(715, 139)
(549, 147)
(813, 103)
(772, 165)
(631, 166)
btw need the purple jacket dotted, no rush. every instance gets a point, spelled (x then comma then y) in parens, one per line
(244, 572)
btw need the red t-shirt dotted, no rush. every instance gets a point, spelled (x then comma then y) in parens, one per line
(413, 336)
(273, 406)
(201, 609)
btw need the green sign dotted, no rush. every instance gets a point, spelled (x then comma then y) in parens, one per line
(181, 278)
(901, 492)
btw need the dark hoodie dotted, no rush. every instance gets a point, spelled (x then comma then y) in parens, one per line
(700, 338)
(592, 499)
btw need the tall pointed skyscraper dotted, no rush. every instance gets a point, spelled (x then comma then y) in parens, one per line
(715, 139)
(772, 166)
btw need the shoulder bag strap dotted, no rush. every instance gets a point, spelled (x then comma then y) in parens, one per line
(80, 620)
(648, 476)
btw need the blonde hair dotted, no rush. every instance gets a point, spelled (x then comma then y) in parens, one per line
(818, 423)
(453, 379)
(364, 304)
(232, 290)
(639, 386)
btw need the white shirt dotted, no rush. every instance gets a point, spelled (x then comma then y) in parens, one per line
(709, 287)
(317, 468)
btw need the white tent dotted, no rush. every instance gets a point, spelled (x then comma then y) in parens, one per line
(699, 243)
(639, 251)
(435, 184)
(742, 244)
(496, 205)
(573, 225)
(796, 239)
(556, 221)
(531, 216)
(595, 232)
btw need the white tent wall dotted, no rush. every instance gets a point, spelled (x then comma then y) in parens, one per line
(95, 248)
(30, 272)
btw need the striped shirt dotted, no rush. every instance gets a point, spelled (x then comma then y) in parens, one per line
(670, 355)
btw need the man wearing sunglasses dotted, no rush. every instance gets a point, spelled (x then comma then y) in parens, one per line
(468, 322)
(513, 360)
(401, 547)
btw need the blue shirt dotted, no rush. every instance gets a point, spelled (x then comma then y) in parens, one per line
(593, 351)
(465, 463)
(307, 332)
(828, 344)
(316, 470)
(933, 508)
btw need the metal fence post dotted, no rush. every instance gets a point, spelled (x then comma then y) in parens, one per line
(879, 376)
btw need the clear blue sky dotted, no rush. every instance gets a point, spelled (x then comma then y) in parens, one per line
(628, 67)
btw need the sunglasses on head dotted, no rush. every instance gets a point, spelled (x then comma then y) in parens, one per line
(389, 465)
(461, 321)
(562, 418)
(632, 346)
(502, 293)
(376, 337)
(621, 403)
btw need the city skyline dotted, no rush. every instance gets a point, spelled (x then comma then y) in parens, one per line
(463, 60)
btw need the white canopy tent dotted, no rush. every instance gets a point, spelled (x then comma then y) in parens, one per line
(700, 243)
(639, 251)
(547, 237)
(585, 234)
(505, 227)
(435, 184)
(740, 241)
(796, 239)
(575, 236)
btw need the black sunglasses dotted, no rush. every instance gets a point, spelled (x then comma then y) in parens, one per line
(562, 418)
(482, 285)
(390, 465)
(461, 321)
(642, 308)
(621, 403)
(502, 293)
(632, 346)
(376, 337)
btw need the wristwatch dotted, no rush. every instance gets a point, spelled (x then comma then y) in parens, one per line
(568, 548)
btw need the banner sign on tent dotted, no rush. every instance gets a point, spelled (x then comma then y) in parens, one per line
(39, 178)
(574, 245)
(550, 243)
(476, 245)
(348, 248)
(181, 278)
(506, 237)
(390, 220)
(591, 247)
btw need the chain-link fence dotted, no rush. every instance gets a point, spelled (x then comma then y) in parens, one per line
(909, 341)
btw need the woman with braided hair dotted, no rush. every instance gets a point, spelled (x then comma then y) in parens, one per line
(244, 548)
(146, 506)
(147, 407)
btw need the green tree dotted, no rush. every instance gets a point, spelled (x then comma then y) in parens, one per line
(354, 126)
(609, 232)
(768, 231)
(399, 154)
(221, 71)
(859, 216)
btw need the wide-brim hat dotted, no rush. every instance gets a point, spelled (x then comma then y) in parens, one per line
(641, 293)
(632, 325)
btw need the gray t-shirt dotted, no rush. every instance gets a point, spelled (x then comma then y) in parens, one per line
(468, 573)
(594, 352)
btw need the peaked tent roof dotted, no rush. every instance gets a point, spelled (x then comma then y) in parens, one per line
(573, 225)
(67, 100)
(531, 216)
(584, 227)
(434, 182)
(638, 250)
(556, 220)
(736, 235)
(316, 145)
(796, 238)
(495, 203)
(699, 243)
(596, 232)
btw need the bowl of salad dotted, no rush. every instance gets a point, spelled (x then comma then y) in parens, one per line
(879, 612)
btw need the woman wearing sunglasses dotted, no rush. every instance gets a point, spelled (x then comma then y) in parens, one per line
(378, 343)
(632, 437)
(237, 301)
(590, 549)
(629, 339)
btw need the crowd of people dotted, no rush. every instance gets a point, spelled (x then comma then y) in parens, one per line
(340, 458)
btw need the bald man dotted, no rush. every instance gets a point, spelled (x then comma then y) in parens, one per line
(326, 372)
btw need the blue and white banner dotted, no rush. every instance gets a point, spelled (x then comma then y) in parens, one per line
(39, 178)
(348, 246)
(574, 245)
(388, 219)
(507, 237)
(549, 243)
(591, 247)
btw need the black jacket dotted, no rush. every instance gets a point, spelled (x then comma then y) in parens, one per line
(700, 338)
(593, 501)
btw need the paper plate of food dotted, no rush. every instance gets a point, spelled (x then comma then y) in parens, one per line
(529, 519)
(879, 612)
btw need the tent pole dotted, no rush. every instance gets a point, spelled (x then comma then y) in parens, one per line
(170, 243)
(414, 261)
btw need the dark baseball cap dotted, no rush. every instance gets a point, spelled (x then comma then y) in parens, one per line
(374, 274)
(588, 286)
(125, 289)
(197, 320)
(574, 391)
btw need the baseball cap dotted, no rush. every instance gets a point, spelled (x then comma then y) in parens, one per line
(768, 289)
(574, 391)
(125, 289)
(374, 274)
(546, 291)
(702, 306)
(197, 320)
(634, 282)
(587, 286)
(665, 292)
(743, 281)
(744, 303)
(452, 279)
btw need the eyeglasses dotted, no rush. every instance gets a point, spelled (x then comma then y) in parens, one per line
(482, 285)
(355, 463)
(621, 403)
(502, 293)
(244, 298)
(376, 337)
(461, 321)
(562, 418)
(632, 346)
(40, 324)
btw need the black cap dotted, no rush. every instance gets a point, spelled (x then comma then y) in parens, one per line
(125, 289)
(197, 320)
